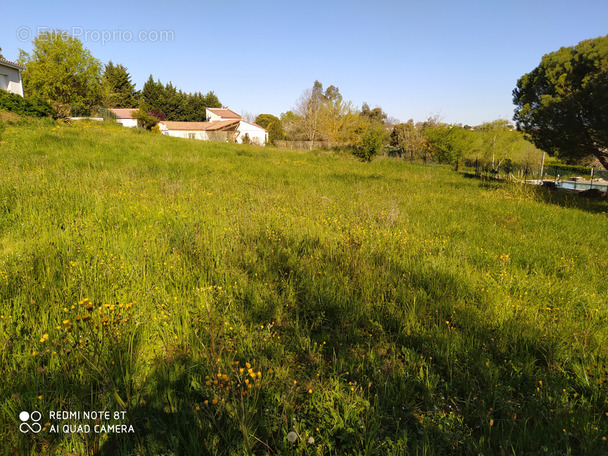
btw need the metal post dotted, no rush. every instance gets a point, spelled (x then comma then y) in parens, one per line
(542, 166)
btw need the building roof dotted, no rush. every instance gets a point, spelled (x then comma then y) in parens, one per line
(200, 126)
(8, 63)
(255, 125)
(124, 113)
(225, 113)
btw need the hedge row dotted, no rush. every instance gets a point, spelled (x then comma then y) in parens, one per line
(33, 107)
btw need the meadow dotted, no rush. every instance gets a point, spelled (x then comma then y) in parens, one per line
(237, 300)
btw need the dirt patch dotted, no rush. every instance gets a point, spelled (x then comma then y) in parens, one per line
(7, 116)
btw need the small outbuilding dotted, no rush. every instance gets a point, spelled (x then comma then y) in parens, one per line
(125, 116)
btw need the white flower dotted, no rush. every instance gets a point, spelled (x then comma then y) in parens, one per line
(311, 440)
(292, 437)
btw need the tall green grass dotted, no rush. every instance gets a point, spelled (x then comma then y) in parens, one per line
(231, 298)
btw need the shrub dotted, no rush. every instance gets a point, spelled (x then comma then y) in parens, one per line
(145, 119)
(371, 142)
(33, 106)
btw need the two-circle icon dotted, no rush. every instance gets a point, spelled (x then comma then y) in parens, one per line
(25, 426)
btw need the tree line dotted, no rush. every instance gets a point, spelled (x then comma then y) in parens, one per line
(62, 72)
(323, 115)
(561, 107)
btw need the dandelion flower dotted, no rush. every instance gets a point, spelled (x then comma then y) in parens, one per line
(292, 437)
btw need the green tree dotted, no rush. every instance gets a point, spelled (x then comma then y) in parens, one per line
(562, 105)
(117, 90)
(152, 92)
(448, 143)
(408, 139)
(291, 124)
(144, 117)
(273, 125)
(175, 104)
(497, 141)
(371, 141)
(60, 70)
(309, 112)
(324, 115)
(373, 115)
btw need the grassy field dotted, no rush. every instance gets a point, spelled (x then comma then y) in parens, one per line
(224, 299)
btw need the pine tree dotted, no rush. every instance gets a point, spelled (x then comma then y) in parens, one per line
(117, 89)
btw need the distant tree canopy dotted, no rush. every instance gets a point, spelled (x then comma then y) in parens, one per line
(117, 90)
(373, 115)
(323, 115)
(562, 105)
(408, 139)
(273, 125)
(175, 104)
(60, 70)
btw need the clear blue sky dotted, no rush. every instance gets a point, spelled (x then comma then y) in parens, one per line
(457, 59)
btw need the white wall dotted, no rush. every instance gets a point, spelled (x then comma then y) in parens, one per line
(211, 117)
(202, 135)
(256, 134)
(10, 79)
(127, 122)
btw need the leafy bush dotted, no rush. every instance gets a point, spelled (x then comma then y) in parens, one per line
(273, 125)
(371, 142)
(145, 119)
(33, 106)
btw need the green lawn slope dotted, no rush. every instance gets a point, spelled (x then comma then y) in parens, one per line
(225, 299)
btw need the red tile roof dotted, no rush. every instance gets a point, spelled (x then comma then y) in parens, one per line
(12, 64)
(124, 113)
(225, 113)
(223, 125)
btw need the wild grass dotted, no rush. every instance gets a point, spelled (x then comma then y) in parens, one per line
(242, 300)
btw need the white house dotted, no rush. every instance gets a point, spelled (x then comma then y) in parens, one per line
(221, 130)
(253, 132)
(10, 76)
(125, 116)
(223, 125)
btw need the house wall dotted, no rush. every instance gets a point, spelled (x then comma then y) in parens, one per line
(202, 135)
(256, 134)
(211, 117)
(127, 122)
(10, 80)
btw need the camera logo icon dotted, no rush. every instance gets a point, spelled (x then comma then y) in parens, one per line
(25, 425)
